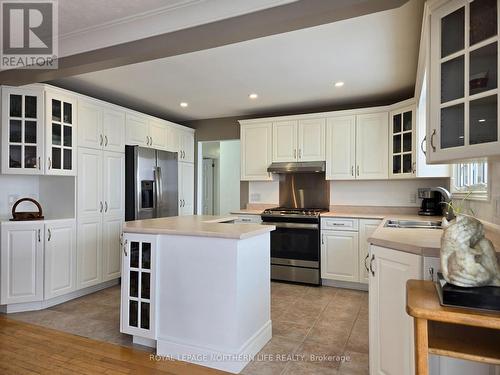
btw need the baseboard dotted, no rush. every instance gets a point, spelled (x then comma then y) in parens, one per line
(144, 341)
(229, 360)
(40, 305)
(344, 284)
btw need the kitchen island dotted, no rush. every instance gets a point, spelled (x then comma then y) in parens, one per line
(197, 288)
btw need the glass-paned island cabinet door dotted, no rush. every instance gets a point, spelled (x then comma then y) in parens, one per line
(402, 158)
(60, 140)
(22, 131)
(138, 285)
(464, 81)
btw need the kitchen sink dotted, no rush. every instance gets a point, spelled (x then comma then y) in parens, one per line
(423, 224)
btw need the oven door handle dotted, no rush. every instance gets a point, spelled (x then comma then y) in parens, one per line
(292, 225)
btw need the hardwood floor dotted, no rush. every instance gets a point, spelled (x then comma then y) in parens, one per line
(31, 349)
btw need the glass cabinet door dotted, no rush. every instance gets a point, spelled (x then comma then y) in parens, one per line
(138, 310)
(402, 148)
(21, 131)
(61, 135)
(467, 73)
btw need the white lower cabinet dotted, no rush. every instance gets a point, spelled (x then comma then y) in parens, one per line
(111, 249)
(391, 328)
(21, 262)
(186, 188)
(138, 307)
(339, 255)
(89, 251)
(60, 258)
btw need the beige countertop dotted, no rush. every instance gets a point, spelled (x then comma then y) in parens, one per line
(352, 215)
(198, 226)
(247, 212)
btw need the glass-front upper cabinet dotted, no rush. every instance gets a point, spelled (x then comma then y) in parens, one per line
(402, 162)
(463, 81)
(60, 140)
(22, 131)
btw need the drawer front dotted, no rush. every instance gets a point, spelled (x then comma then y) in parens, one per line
(248, 219)
(340, 224)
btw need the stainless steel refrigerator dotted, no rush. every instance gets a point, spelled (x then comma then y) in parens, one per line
(151, 188)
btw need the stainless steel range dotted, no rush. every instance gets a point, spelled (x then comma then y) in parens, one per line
(295, 244)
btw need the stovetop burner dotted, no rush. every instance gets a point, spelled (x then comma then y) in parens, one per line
(286, 211)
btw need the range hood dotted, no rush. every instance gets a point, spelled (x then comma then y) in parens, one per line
(297, 167)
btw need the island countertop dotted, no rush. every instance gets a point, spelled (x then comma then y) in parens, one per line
(197, 225)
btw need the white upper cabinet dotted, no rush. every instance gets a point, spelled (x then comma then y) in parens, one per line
(341, 148)
(186, 146)
(285, 141)
(113, 179)
(463, 118)
(256, 151)
(186, 188)
(22, 131)
(137, 130)
(113, 129)
(158, 134)
(60, 134)
(311, 140)
(372, 135)
(402, 155)
(90, 194)
(90, 120)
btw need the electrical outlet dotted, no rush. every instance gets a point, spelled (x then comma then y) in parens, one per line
(255, 197)
(413, 197)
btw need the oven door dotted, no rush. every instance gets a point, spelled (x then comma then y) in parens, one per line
(295, 244)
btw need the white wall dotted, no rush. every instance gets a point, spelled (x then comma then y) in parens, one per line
(16, 187)
(355, 193)
(229, 170)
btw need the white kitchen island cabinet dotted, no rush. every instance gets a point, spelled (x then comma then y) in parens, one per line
(197, 288)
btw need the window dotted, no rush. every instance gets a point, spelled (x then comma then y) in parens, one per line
(470, 180)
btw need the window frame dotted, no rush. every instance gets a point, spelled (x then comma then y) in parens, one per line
(474, 192)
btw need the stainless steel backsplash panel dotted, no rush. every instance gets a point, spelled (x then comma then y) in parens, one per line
(304, 190)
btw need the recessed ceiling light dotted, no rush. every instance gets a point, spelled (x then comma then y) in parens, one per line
(339, 84)
(253, 96)
(183, 104)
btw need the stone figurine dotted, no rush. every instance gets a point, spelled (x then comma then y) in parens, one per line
(468, 259)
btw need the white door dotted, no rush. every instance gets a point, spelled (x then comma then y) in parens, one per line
(60, 134)
(113, 183)
(158, 134)
(90, 131)
(60, 257)
(90, 197)
(113, 123)
(111, 249)
(22, 131)
(372, 150)
(21, 262)
(186, 189)
(366, 229)
(89, 251)
(341, 148)
(256, 151)
(138, 305)
(339, 255)
(285, 141)
(186, 147)
(391, 328)
(311, 134)
(136, 130)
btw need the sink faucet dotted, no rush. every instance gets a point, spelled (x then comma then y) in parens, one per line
(449, 214)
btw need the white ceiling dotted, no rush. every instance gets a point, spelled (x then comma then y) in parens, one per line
(375, 55)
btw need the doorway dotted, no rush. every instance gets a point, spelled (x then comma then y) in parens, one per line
(218, 177)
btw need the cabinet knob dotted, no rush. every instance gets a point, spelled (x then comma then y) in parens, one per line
(50, 163)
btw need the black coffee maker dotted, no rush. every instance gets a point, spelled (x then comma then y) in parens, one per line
(432, 202)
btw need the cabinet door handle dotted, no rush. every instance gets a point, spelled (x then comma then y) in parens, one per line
(125, 247)
(49, 233)
(39, 237)
(101, 206)
(432, 140)
(366, 258)
(422, 145)
(39, 163)
(50, 163)
(357, 170)
(100, 142)
(106, 140)
(106, 206)
(413, 167)
(322, 239)
(352, 170)
(371, 265)
(295, 153)
(300, 153)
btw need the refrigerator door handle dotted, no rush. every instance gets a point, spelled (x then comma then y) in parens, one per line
(158, 190)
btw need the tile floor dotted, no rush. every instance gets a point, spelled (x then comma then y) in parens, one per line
(313, 328)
